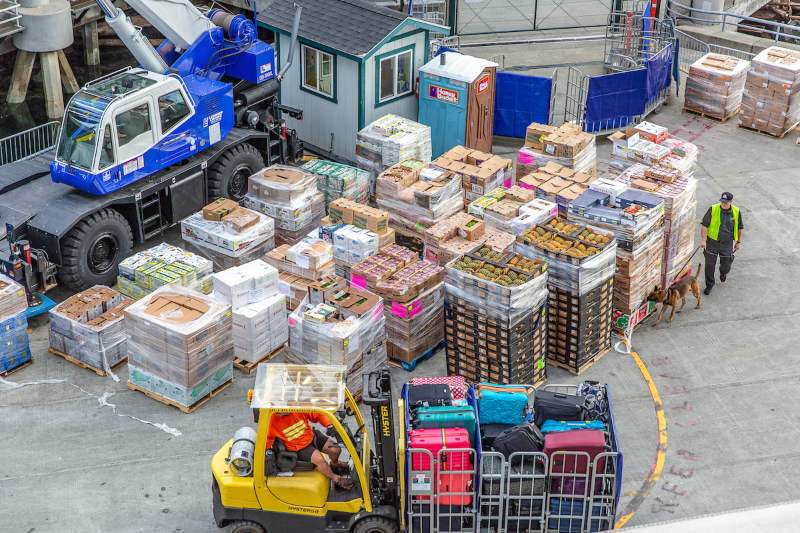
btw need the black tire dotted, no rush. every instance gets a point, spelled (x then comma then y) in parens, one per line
(246, 526)
(228, 176)
(375, 524)
(92, 250)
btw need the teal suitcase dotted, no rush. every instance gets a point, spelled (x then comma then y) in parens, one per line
(446, 416)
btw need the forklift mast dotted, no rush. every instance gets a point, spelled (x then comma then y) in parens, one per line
(378, 396)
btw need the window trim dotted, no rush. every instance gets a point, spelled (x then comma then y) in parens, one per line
(189, 104)
(113, 131)
(117, 112)
(412, 48)
(334, 72)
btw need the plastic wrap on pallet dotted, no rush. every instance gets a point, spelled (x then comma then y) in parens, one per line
(246, 284)
(638, 272)
(164, 264)
(771, 100)
(12, 298)
(413, 328)
(14, 341)
(336, 180)
(715, 85)
(260, 328)
(179, 343)
(530, 160)
(294, 219)
(223, 261)
(220, 237)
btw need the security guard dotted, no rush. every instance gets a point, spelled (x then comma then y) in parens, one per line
(720, 236)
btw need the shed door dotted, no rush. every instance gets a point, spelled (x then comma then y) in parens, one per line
(443, 107)
(480, 114)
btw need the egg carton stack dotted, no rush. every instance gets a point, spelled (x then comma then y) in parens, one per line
(581, 262)
(566, 145)
(637, 220)
(289, 196)
(390, 140)
(680, 205)
(336, 180)
(164, 264)
(715, 85)
(180, 348)
(259, 311)
(14, 343)
(771, 101)
(227, 234)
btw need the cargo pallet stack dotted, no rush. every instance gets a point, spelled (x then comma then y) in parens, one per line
(512, 210)
(460, 234)
(15, 352)
(390, 140)
(164, 264)
(299, 266)
(338, 324)
(771, 101)
(580, 264)
(259, 322)
(637, 220)
(227, 234)
(336, 180)
(557, 184)
(479, 171)
(495, 309)
(88, 329)
(566, 145)
(180, 350)
(715, 85)
(357, 231)
(289, 196)
(413, 298)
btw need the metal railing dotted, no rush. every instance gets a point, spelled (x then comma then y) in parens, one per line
(692, 49)
(29, 143)
(776, 30)
(9, 18)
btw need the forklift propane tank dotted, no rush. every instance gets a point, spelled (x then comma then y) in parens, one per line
(241, 453)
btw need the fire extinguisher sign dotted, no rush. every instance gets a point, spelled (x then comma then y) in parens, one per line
(483, 84)
(442, 94)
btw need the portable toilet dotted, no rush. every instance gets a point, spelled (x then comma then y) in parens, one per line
(457, 101)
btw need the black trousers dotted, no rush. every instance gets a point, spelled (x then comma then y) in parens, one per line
(714, 250)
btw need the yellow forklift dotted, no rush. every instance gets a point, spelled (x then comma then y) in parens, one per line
(258, 490)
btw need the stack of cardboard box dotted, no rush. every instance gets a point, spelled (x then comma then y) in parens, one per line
(336, 180)
(512, 210)
(310, 260)
(164, 264)
(556, 183)
(479, 171)
(715, 85)
(179, 345)
(227, 234)
(259, 310)
(771, 101)
(651, 144)
(289, 195)
(460, 234)
(14, 343)
(89, 326)
(566, 145)
(390, 140)
(352, 244)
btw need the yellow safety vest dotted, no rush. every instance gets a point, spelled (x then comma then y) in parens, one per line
(713, 227)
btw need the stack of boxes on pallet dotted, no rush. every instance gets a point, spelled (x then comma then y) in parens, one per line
(390, 140)
(289, 196)
(259, 310)
(512, 210)
(771, 101)
(566, 145)
(637, 220)
(715, 85)
(335, 180)
(357, 232)
(581, 263)
(479, 171)
(299, 265)
(161, 265)
(227, 234)
(495, 306)
(179, 345)
(557, 184)
(338, 324)
(89, 327)
(413, 298)
(460, 234)
(14, 342)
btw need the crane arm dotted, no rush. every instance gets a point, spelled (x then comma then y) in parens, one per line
(177, 20)
(132, 37)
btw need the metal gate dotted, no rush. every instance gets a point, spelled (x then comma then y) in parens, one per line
(478, 17)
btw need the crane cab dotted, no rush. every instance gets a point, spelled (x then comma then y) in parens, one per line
(125, 126)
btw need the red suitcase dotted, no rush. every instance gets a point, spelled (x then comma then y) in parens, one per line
(458, 386)
(434, 440)
(455, 489)
(591, 441)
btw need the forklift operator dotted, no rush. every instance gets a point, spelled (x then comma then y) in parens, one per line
(298, 435)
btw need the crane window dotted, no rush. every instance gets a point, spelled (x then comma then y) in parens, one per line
(134, 131)
(172, 108)
(107, 149)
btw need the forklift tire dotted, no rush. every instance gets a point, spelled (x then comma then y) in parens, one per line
(228, 176)
(92, 250)
(375, 524)
(246, 526)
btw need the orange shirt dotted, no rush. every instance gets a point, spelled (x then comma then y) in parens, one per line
(294, 429)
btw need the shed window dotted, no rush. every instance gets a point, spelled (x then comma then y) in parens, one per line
(318, 71)
(396, 75)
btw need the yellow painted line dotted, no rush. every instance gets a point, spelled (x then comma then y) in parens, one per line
(661, 451)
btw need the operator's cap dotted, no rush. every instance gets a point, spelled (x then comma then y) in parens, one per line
(726, 197)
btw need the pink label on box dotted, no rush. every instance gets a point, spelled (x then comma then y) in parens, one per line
(407, 310)
(525, 157)
(526, 186)
(292, 322)
(508, 183)
(358, 281)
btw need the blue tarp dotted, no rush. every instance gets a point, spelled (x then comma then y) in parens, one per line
(520, 100)
(614, 100)
(659, 68)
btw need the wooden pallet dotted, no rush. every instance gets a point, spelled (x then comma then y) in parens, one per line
(7, 373)
(585, 365)
(183, 408)
(704, 114)
(781, 136)
(99, 371)
(247, 367)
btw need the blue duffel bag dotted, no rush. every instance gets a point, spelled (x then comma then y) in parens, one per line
(502, 404)
(557, 426)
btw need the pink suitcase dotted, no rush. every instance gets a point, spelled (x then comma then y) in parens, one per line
(458, 387)
(591, 441)
(434, 440)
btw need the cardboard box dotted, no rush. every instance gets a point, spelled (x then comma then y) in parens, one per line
(241, 219)
(218, 209)
(472, 229)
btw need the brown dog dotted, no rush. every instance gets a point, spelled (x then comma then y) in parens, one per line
(677, 293)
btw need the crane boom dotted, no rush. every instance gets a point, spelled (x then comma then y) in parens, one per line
(132, 37)
(177, 20)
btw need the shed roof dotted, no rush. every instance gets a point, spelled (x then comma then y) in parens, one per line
(457, 66)
(355, 27)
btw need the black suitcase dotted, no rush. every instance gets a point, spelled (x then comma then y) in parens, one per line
(521, 438)
(557, 406)
(428, 395)
(489, 432)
